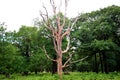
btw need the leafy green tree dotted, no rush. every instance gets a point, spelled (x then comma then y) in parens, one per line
(101, 29)
(30, 41)
(8, 52)
(6, 60)
(27, 43)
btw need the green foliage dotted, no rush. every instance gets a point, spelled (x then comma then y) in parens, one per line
(71, 76)
(39, 62)
(98, 32)
(7, 58)
(104, 45)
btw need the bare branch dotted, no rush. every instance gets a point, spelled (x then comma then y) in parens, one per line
(46, 11)
(52, 2)
(66, 4)
(68, 40)
(67, 32)
(66, 65)
(58, 25)
(79, 60)
(55, 45)
(74, 22)
(68, 60)
(47, 54)
(44, 21)
(68, 44)
(64, 19)
(60, 5)
(45, 17)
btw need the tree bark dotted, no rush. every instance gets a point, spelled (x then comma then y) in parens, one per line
(59, 55)
(96, 64)
(105, 64)
(59, 67)
(101, 62)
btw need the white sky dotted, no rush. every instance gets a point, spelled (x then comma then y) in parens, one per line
(22, 12)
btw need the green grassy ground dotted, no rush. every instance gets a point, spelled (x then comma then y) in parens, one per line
(71, 76)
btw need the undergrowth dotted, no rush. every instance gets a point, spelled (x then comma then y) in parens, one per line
(70, 76)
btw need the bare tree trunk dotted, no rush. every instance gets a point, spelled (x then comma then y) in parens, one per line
(59, 55)
(59, 67)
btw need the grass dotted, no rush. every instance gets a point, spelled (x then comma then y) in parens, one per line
(71, 76)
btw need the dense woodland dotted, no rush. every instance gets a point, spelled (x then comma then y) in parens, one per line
(95, 35)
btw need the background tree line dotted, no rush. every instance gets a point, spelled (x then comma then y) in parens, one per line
(95, 34)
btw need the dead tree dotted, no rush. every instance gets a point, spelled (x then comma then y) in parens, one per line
(58, 32)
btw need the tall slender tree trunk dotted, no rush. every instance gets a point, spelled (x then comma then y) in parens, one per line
(105, 63)
(59, 67)
(101, 62)
(59, 56)
(96, 64)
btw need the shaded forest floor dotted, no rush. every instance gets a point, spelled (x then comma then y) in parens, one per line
(70, 76)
